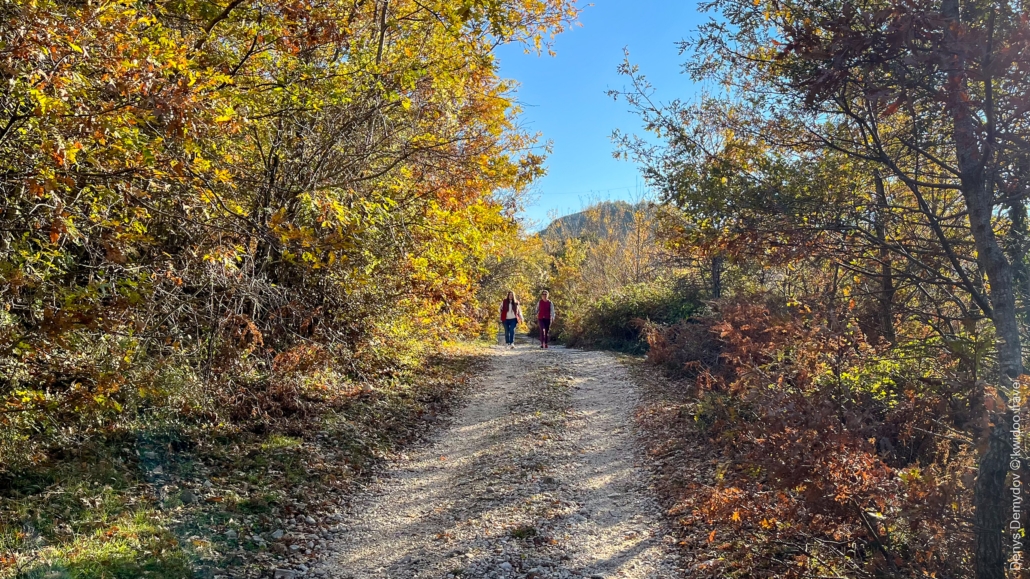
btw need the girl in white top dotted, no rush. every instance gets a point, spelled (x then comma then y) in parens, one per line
(511, 316)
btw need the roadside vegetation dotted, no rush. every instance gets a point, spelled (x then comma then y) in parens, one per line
(236, 241)
(206, 494)
(234, 238)
(834, 284)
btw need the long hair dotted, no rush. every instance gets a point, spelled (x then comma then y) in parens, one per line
(511, 296)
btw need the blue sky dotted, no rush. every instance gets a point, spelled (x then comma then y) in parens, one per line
(563, 97)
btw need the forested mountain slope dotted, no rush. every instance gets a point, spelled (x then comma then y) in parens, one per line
(594, 220)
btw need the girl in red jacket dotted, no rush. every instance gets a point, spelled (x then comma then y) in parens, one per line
(511, 316)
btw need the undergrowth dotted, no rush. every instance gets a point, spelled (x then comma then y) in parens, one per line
(176, 497)
(787, 446)
(617, 321)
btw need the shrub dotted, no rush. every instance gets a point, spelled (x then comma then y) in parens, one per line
(835, 456)
(687, 347)
(618, 320)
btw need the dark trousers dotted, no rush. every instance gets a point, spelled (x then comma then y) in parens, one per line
(509, 331)
(545, 329)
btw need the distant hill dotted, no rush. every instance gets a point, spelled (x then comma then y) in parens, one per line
(608, 216)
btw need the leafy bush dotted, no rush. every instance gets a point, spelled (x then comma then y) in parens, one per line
(618, 320)
(687, 347)
(835, 457)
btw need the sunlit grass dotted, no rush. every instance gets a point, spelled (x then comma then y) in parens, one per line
(280, 442)
(137, 544)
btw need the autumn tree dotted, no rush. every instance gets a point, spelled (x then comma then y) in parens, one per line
(215, 189)
(924, 105)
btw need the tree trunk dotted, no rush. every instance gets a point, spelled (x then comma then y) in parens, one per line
(887, 289)
(717, 265)
(382, 31)
(989, 498)
(1017, 247)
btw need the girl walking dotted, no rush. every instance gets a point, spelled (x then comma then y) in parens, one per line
(511, 316)
(545, 313)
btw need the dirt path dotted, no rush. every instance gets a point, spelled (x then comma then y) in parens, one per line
(536, 478)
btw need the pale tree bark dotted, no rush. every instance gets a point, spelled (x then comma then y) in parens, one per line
(887, 290)
(989, 498)
(1017, 243)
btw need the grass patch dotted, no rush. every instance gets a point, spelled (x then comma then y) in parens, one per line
(138, 544)
(280, 442)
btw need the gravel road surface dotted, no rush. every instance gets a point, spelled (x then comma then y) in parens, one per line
(538, 476)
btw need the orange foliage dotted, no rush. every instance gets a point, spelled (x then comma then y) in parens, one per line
(816, 472)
